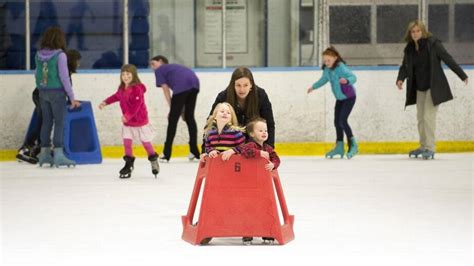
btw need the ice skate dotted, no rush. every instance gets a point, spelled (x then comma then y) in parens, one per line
(353, 148)
(247, 241)
(427, 154)
(338, 150)
(126, 171)
(27, 154)
(416, 152)
(61, 160)
(45, 157)
(155, 166)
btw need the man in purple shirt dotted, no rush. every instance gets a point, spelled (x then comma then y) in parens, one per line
(185, 86)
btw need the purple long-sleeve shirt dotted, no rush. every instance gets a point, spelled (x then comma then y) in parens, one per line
(63, 70)
(178, 77)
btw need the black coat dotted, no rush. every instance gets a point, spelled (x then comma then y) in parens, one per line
(266, 112)
(440, 91)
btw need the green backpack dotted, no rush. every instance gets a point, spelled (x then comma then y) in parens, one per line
(47, 74)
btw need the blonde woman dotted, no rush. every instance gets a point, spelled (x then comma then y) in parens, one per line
(427, 86)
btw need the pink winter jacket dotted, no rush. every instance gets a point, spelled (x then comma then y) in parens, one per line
(132, 103)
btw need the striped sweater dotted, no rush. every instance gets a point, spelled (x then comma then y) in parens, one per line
(228, 139)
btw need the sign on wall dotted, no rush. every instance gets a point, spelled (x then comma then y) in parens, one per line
(236, 26)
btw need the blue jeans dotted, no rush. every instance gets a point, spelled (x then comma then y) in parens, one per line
(53, 108)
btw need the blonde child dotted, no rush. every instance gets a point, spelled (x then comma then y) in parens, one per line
(222, 134)
(130, 95)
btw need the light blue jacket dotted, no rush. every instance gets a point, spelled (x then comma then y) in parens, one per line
(333, 76)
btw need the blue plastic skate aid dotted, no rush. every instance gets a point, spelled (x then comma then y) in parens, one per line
(81, 142)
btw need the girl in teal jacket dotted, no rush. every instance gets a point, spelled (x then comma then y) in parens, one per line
(338, 75)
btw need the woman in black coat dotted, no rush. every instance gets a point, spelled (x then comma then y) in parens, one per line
(427, 86)
(248, 100)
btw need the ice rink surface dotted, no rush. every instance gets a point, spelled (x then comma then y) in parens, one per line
(372, 210)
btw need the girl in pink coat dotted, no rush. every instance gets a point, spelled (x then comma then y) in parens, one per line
(130, 95)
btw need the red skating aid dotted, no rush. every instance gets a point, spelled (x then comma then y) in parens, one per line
(238, 200)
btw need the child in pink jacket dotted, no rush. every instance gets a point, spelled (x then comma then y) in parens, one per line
(130, 95)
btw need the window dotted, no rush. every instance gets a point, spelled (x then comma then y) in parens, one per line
(349, 24)
(12, 35)
(139, 32)
(464, 23)
(438, 21)
(392, 21)
(93, 27)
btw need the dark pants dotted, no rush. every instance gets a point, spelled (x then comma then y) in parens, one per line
(341, 115)
(186, 100)
(33, 136)
(53, 108)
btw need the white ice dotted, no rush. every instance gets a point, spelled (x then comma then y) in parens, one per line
(372, 210)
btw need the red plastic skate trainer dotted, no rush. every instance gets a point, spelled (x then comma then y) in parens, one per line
(238, 200)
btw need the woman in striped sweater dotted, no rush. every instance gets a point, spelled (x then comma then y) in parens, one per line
(222, 134)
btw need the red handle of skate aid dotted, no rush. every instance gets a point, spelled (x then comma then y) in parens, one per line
(238, 200)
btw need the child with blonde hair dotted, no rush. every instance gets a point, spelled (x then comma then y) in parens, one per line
(222, 134)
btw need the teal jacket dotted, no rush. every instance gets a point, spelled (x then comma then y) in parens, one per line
(333, 76)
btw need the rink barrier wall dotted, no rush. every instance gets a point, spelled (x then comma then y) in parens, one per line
(379, 115)
(291, 149)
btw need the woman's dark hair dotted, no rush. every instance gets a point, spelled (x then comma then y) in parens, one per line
(160, 58)
(251, 102)
(331, 51)
(73, 56)
(53, 38)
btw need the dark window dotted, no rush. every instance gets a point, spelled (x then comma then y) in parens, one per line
(464, 22)
(306, 24)
(392, 21)
(349, 24)
(438, 21)
(12, 35)
(94, 27)
(139, 32)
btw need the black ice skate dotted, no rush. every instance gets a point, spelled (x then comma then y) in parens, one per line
(155, 166)
(126, 171)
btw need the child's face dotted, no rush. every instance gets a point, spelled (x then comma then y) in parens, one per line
(127, 77)
(242, 88)
(260, 132)
(416, 33)
(329, 60)
(223, 114)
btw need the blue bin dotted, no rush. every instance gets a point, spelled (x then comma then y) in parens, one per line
(81, 142)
